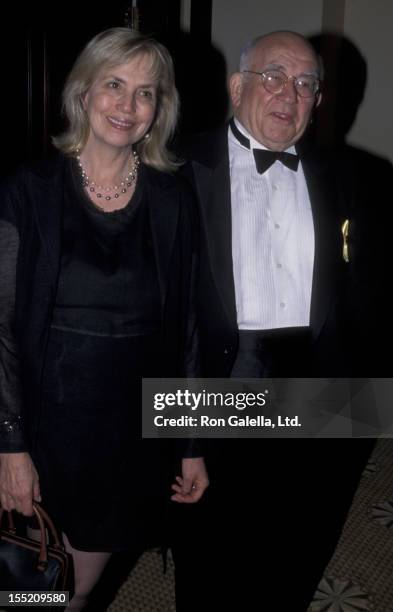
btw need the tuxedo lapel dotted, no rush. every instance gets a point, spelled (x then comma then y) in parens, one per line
(214, 194)
(327, 261)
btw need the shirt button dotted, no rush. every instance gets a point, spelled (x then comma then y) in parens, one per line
(279, 265)
(275, 187)
(282, 304)
(277, 225)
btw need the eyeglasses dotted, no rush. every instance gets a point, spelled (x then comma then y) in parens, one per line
(275, 81)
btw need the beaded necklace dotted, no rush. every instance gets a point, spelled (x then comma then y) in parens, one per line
(103, 192)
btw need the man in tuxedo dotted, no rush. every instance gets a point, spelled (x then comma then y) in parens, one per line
(273, 302)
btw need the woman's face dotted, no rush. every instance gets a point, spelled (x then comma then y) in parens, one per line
(121, 104)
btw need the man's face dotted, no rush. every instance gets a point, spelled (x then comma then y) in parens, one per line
(275, 120)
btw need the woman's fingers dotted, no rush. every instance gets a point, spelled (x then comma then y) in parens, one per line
(18, 482)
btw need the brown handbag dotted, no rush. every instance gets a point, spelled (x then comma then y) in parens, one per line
(29, 565)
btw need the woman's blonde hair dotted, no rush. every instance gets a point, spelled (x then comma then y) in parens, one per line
(112, 48)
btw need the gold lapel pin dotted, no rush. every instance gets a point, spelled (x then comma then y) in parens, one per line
(345, 233)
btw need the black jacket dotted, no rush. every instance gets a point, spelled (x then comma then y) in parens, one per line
(208, 172)
(31, 211)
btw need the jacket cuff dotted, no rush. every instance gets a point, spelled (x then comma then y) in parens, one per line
(12, 439)
(190, 448)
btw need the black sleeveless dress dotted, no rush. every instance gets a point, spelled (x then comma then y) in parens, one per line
(105, 487)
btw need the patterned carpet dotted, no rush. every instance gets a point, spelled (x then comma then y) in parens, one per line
(359, 577)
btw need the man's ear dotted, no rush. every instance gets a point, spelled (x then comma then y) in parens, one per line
(235, 88)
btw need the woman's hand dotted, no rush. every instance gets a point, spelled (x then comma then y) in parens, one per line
(194, 481)
(19, 483)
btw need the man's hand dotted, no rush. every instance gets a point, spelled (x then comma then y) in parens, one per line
(19, 483)
(190, 487)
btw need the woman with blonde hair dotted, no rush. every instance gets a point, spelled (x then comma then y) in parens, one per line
(97, 263)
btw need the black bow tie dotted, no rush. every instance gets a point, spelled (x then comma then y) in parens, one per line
(263, 157)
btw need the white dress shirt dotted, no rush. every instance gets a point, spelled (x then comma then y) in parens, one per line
(272, 240)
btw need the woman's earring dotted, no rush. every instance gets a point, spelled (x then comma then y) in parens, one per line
(146, 136)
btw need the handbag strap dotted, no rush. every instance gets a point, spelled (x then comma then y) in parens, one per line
(43, 521)
(43, 554)
(49, 524)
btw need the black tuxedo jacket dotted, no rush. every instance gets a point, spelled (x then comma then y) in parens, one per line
(208, 171)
